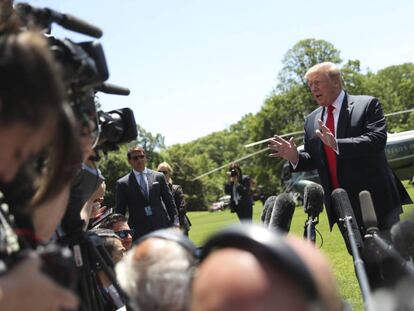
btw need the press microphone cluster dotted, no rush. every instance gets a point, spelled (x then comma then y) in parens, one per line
(378, 245)
(313, 206)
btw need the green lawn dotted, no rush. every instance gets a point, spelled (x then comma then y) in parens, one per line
(206, 223)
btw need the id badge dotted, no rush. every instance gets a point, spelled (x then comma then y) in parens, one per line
(148, 210)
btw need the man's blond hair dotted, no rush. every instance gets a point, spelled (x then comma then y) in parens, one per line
(328, 68)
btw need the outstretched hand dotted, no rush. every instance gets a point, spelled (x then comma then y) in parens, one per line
(325, 134)
(283, 148)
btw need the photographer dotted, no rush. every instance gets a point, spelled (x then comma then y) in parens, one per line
(33, 118)
(238, 187)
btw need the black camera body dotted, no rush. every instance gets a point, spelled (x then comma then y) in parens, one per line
(233, 172)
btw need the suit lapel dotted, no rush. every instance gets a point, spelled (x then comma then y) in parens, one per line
(344, 116)
(319, 116)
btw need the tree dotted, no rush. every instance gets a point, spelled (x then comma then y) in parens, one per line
(301, 57)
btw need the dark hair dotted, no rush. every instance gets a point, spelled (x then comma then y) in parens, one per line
(135, 148)
(32, 91)
(112, 220)
(235, 166)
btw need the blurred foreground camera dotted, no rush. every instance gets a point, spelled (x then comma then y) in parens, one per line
(85, 71)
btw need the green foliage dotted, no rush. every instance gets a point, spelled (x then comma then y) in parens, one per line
(394, 86)
(302, 56)
(114, 166)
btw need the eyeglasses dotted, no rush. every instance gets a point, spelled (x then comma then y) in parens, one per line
(164, 172)
(124, 233)
(135, 158)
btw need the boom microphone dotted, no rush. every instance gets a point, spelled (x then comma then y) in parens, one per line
(313, 199)
(267, 210)
(67, 21)
(282, 213)
(402, 236)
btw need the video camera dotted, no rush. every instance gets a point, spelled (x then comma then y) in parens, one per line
(85, 71)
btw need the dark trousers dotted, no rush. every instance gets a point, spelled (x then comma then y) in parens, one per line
(245, 213)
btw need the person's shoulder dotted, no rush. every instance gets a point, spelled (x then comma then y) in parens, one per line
(124, 178)
(245, 177)
(155, 173)
(314, 113)
(176, 187)
(360, 98)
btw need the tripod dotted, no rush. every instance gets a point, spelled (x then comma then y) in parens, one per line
(90, 257)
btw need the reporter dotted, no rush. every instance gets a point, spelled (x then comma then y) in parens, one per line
(178, 195)
(34, 119)
(33, 114)
(238, 186)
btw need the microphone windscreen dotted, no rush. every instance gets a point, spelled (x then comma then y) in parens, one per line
(267, 210)
(313, 199)
(402, 236)
(369, 218)
(343, 209)
(282, 212)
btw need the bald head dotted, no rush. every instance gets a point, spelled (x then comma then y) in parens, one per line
(156, 275)
(234, 279)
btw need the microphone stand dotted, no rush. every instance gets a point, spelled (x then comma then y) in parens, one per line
(310, 228)
(359, 265)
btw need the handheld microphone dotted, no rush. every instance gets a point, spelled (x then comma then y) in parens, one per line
(402, 236)
(282, 212)
(342, 207)
(373, 241)
(313, 206)
(67, 21)
(267, 210)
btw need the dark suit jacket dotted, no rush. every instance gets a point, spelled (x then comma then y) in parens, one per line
(361, 163)
(130, 197)
(244, 209)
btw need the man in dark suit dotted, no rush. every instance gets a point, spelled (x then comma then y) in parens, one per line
(345, 140)
(146, 196)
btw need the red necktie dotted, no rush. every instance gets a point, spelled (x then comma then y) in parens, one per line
(329, 152)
